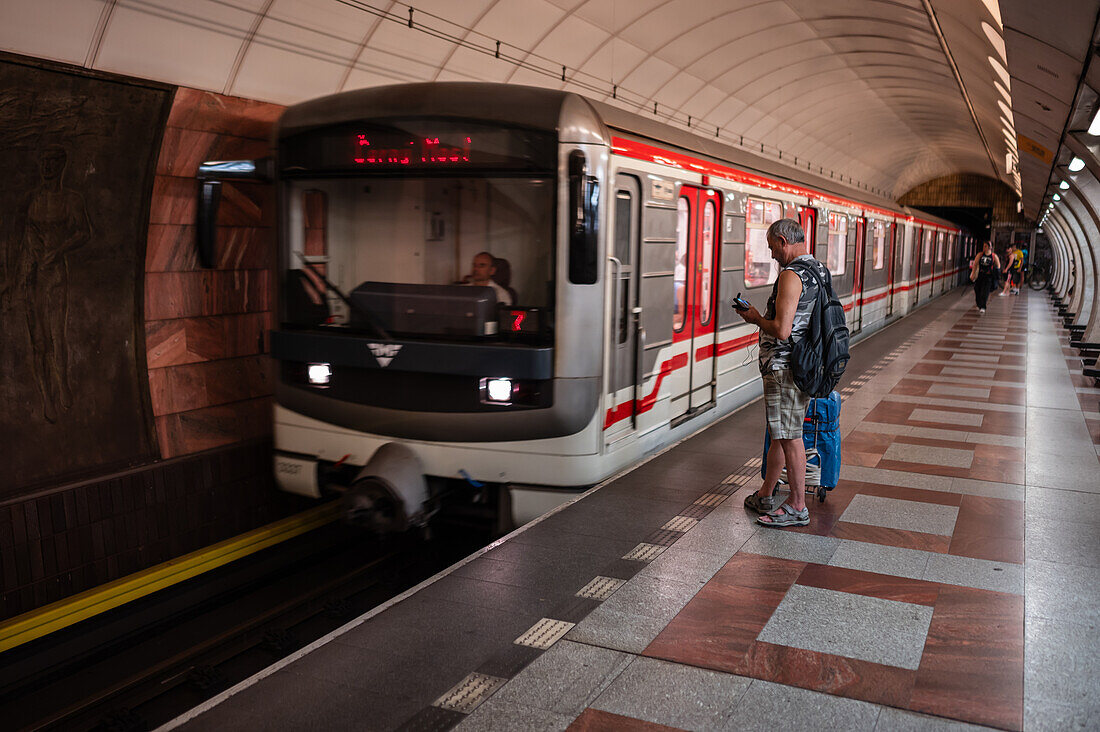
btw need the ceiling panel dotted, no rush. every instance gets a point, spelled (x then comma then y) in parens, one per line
(33, 28)
(1043, 66)
(159, 41)
(864, 87)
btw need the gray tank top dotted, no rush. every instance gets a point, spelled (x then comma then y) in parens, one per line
(775, 354)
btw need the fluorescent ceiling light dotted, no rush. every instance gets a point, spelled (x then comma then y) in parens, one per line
(994, 9)
(1002, 90)
(995, 40)
(1006, 109)
(1094, 128)
(1064, 185)
(1076, 164)
(1001, 71)
(1057, 197)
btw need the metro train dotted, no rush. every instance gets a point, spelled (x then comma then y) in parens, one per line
(620, 241)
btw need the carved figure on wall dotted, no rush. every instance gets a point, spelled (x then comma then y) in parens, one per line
(55, 224)
(78, 154)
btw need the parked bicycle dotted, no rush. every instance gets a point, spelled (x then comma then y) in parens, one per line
(1039, 271)
(1038, 275)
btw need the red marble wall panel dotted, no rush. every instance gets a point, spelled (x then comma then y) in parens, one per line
(189, 340)
(209, 378)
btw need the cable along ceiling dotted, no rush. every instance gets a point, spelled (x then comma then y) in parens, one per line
(887, 94)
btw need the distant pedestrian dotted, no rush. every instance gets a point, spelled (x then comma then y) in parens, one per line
(1013, 271)
(983, 273)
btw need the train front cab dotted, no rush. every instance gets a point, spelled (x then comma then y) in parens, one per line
(381, 212)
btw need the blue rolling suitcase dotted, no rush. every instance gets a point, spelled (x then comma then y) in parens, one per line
(821, 435)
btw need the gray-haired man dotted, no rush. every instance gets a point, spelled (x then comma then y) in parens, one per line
(785, 321)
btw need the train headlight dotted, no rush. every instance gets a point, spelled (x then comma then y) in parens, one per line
(498, 390)
(319, 374)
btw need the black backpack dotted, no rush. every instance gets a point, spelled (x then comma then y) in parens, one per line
(818, 358)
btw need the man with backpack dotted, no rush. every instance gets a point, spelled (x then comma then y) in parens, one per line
(788, 349)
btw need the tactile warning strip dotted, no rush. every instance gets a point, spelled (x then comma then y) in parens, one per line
(663, 537)
(544, 633)
(710, 499)
(680, 523)
(467, 694)
(600, 588)
(645, 552)
(696, 512)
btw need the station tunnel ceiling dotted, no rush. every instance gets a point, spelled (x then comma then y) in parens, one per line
(885, 93)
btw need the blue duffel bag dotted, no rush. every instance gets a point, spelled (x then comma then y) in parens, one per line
(821, 436)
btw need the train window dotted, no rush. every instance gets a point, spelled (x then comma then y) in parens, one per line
(679, 276)
(927, 246)
(624, 219)
(760, 268)
(412, 230)
(837, 251)
(878, 251)
(707, 257)
(622, 225)
(314, 244)
(314, 203)
(584, 196)
(939, 247)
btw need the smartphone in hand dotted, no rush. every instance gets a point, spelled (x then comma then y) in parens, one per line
(740, 304)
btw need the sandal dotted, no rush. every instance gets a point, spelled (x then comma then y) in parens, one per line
(785, 515)
(759, 503)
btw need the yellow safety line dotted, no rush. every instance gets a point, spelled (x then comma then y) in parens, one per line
(63, 613)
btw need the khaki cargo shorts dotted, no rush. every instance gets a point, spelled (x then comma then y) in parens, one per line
(785, 405)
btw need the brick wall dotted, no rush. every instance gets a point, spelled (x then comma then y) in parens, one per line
(64, 541)
(968, 190)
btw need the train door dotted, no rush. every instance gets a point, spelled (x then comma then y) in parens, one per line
(625, 339)
(694, 322)
(858, 275)
(808, 218)
(892, 237)
(939, 268)
(924, 265)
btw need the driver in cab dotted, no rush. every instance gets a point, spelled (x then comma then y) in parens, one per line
(481, 275)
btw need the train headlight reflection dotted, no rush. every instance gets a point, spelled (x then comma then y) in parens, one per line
(319, 373)
(498, 390)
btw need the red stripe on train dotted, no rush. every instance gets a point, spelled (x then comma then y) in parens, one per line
(646, 403)
(707, 351)
(624, 410)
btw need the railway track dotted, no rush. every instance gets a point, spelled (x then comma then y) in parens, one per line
(145, 664)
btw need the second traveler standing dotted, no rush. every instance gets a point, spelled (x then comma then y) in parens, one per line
(983, 272)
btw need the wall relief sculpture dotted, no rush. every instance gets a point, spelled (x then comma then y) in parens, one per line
(78, 157)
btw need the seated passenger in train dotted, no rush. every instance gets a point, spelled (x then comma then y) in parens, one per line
(483, 274)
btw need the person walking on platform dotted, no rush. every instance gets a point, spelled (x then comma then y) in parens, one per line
(983, 273)
(785, 321)
(1013, 271)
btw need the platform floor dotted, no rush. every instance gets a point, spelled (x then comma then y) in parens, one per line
(952, 576)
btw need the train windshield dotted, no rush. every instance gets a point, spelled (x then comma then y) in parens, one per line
(422, 255)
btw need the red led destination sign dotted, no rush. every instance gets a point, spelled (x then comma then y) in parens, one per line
(418, 151)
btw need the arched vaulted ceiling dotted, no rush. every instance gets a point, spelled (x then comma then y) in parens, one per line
(890, 93)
